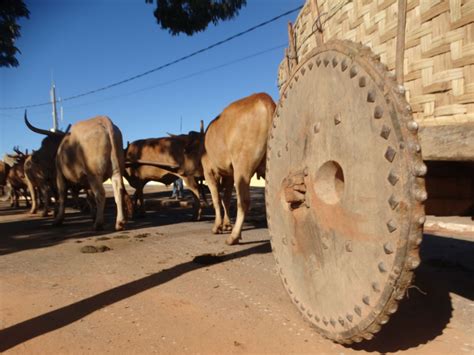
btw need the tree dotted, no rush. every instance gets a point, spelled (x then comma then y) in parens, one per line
(10, 12)
(191, 16)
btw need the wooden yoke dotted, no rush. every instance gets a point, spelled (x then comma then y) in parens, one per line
(316, 16)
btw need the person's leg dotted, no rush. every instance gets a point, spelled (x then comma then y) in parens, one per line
(173, 194)
(180, 188)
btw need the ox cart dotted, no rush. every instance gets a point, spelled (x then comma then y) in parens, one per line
(371, 93)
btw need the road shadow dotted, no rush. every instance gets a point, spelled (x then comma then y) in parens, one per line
(447, 266)
(47, 322)
(34, 232)
(27, 233)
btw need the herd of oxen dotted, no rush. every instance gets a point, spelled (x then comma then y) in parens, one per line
(229, 152)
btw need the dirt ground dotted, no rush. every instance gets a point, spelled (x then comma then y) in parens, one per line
(156, 290)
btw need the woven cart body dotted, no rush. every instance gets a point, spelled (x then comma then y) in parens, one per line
(438, 60)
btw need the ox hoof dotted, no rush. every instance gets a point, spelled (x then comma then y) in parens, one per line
(232, 240)
(228, 227)
(33, 212)
(120, 226)
(98, 227)
(45, 214)
(217, 229)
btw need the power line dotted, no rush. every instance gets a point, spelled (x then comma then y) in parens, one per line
(187, 76)
(163, 66)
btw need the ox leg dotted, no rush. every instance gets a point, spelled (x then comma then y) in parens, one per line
(75, 198)
(34, 197)
(12, 197)
(228, 186)
(202, 190)
(192, 185)
(91, 203)
(61, 205)
(117, 184)
(16, 198)
(99, 197)
(46, 197)
(216, 200)
(138, 202)
(243, 203)
(25, 195)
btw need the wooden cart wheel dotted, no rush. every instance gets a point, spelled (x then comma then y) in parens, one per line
(345, 191)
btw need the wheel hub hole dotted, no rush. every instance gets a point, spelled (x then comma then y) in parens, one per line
(329, 183)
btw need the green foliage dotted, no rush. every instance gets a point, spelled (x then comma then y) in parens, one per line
(10, 12)
(191, 16)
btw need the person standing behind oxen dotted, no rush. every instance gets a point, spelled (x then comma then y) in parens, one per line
(178, 189)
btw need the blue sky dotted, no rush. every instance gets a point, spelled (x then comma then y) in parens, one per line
(84, 45)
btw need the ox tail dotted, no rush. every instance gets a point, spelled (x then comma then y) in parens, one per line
(118, 165)
(128, 204)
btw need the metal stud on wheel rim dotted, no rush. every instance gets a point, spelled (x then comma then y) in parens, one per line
(344, 191)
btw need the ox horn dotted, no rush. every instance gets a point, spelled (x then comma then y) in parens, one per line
(67, 129)
(17, 150)
(39, 130)
(201, 127)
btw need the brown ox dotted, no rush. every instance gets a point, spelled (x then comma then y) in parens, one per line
(40, 167)
(15, 178)
(235, 144)
(143, 155)
(90, 154)
(231, 151)
(3, 176)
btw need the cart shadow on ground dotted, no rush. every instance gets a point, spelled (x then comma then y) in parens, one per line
(36, 232)
(447, 267)
(61, 317)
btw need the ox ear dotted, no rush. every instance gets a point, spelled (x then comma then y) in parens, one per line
(67, 129)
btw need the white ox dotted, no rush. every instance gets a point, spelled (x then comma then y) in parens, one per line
(90, 154)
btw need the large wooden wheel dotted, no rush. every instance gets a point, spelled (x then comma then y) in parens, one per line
(345, 191)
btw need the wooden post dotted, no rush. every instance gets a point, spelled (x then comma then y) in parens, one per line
(287, 63)
(400, 54)
(318, 34)
(293, 60)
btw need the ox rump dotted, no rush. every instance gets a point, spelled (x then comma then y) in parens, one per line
(235, 146)
(87, 156)
(164, 160)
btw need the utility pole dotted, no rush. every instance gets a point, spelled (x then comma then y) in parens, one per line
(61, 110)
(55, 113)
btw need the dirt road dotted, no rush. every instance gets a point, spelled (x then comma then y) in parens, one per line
(157, 290)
